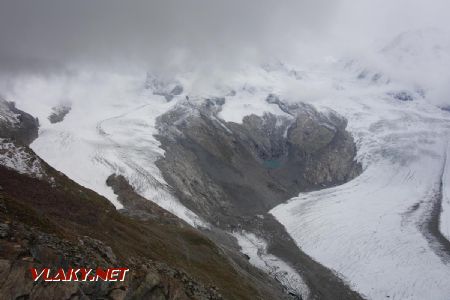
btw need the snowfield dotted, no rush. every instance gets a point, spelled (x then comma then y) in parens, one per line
(380, 232)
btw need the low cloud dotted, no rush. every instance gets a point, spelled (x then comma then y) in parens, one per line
(49, 37)
(52, 33)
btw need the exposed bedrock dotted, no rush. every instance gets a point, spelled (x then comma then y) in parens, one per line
(59, 112)
(222, 170)
(233, 174)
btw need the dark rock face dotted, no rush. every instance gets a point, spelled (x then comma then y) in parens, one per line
(222, 170)
(16, 124)
(402, 96)
(59, 113)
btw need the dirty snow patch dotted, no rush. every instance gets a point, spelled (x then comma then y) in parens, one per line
(256, 249)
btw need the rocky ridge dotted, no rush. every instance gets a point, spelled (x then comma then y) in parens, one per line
(16, 124)
(222, 169)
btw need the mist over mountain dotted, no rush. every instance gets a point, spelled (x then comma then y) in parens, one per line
(51, 34)
(209, 39)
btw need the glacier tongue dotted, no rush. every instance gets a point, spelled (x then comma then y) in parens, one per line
(362, 231)
(370, 230)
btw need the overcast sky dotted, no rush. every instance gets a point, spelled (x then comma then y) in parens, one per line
(51, 34)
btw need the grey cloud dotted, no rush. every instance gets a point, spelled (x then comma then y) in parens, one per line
(50, 35)
(34, 33)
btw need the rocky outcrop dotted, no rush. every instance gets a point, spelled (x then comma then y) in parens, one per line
(16, 124)
(24, 248)
(59, 113)
(222, 170)
(22, 159)
(138, 207)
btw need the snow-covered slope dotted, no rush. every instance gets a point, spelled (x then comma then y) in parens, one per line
(109, 130)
